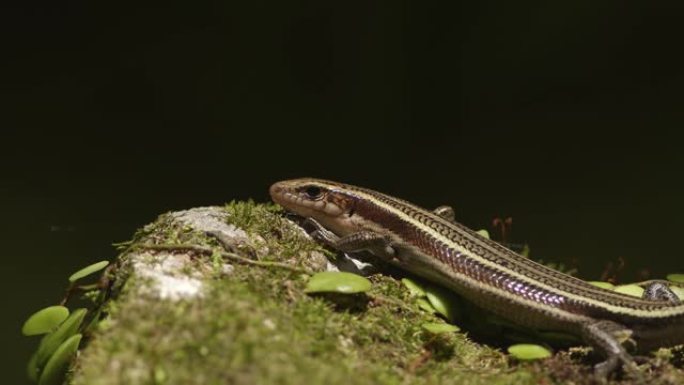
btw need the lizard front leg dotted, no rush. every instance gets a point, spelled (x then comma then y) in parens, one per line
(376, 243)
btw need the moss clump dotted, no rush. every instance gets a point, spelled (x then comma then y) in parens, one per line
(256, 325)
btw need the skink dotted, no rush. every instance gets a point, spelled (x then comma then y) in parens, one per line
(433, 245)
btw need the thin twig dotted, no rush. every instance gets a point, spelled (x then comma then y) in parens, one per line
(67, 294)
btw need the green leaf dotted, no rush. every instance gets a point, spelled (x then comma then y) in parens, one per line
(52, 341)
(94, 322)
(425, 305)
(633, 290)
(337, 282)
(54, 370)
(443, 301)
(527, 352)
(86, 271)
(679, 278)
(526, 251)
(483, 233)
(440, 327)
(413, 287)
(602, 284)
(32, 368)
(44, 320)
(679, 291)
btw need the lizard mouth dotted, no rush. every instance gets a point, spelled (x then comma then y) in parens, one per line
(283, 195)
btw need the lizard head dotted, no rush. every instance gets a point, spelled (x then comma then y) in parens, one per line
(331, 204)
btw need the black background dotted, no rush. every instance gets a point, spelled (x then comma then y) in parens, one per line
(565, 116)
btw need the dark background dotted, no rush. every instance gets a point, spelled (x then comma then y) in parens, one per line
(564, 116)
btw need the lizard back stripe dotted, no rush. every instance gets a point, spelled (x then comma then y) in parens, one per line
(496, 267)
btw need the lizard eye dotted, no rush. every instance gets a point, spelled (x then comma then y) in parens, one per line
(313, 192)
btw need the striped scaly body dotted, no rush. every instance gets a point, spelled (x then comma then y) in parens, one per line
(432, 245)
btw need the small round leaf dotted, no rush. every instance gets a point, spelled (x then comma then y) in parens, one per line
(679, 278)
(425, 305)
(413, 287)
(32, 368)
(44, 320)
(527, 352)
(602, 284)
(337, 282)
(86, 271)
(525, 252)
(443, 301)
(679, 291)
(94, 322)
(54, 370)
(440, 327)
(52, 341)
(633, 290)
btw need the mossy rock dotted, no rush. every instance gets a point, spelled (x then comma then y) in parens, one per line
(182, 316)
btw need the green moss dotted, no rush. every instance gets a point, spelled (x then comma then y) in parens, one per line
(256, 325)
(245, 331)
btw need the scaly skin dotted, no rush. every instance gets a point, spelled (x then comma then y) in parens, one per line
(434, 246)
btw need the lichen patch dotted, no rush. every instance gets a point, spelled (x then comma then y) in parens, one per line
(171, 276)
